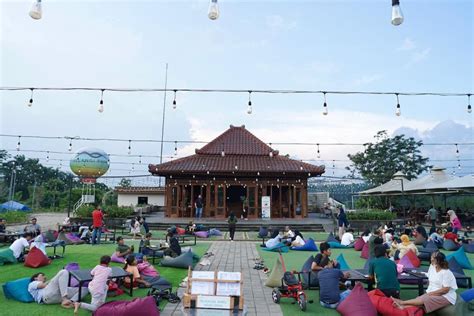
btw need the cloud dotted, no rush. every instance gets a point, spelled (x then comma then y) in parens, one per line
(276, 23)
(365, 80)
(407, 45)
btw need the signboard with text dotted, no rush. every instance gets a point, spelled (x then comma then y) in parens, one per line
(214, 302)
(266, 209)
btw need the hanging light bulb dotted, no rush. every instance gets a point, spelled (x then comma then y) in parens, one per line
(398, 112)
(397, 15)
(30, 103)
(140, 159)
(249, 108)
(18, 144)
(325, 105)
(222, 152)
(318, 152)
(469, 108)
(174, 100)
(175, 148)
(213, 12)
(36, 12)
(457, 151)
(47, 157)
(101, 103)
(459, 165)
(70, 146)
(129, 146)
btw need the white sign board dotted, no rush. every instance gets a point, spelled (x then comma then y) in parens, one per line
(203, 287)
(229, 289)
(215, 302)
(266, 209)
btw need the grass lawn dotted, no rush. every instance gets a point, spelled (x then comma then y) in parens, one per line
(87, 256)
(294, 261)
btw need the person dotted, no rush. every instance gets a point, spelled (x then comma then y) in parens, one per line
(329, 277)
(455, 222)
(366, 235)
(98, 286)
(288, 235)
(174, 249)
(348, 238)
(135, 227)
(19, 245)
(190, 228)
(441, 289)
(437, 237)
(144, 224)
(388, 238)
(232, 221)
(122, 250)
(467, 235)
(33, 228)
(147, 245)
(198, 205)
(451, 235)
(322, 259)
(298, 209)
(342, 222)
(384, 272)
(432, 215)
(3, 225)
(54, 291)
(405, 246)
(422, 231)
(131, 267)
(374, 240)
(97, 223)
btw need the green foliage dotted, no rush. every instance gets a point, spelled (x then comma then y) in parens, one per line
(15, 217)
(85, 211)
(371, 215)
(382, 159)
(126, 183)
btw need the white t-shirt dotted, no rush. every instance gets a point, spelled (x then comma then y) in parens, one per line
(298, 242)
(36, 292)
(18, 246)
(347, 239)
(443, 278)
(366, 238)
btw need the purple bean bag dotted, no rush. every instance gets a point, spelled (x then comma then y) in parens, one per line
(137, 307)
(359, 244)
(74, 238)
(201, 234)
(115, 258)
(406, 263)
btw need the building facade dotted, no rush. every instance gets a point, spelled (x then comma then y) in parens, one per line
(232, 173)
(134, 196)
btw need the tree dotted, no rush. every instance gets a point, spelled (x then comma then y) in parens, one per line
(125, 183)
(382, 159)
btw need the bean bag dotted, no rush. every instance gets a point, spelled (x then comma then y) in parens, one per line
(365, 251)
(419, 240)
(180, 231)
(309, 245)
(469, 247)
(71, 267)
(406, 263)
(147, 269)
(272, 242)
(342, 262)
(200, 227)
(336, 244)
(427, 250)
(274, 279)
(331, 238)
(262, 232)
(214, 232)
(145, 306)
(455, 267)
(67, 241)
(6, 256)
(36, 258)
(182, 261)
(359, 244)
(202, 234)
(461, 308)
(115, 258)
(357, 303)
(278, 247)
(461, 258)
(468, 295)
(157, 282)
(310, 278)
(18, 290)
(384, 306)
(48, 236)
(450, 245)
(76, 240)
(413, 258)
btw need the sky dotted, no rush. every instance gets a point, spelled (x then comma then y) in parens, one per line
(294, 45)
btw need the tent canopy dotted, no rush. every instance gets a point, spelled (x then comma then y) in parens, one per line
(13, 206)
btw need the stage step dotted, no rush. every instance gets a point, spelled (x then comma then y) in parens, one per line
(243, 226)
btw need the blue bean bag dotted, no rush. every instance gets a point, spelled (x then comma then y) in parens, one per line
(331, 238)
(450, 245)
(6, 256)
(309, 245)
(469, 247)
(455, 267)
(336, 244)
(18, 290)
(278, 247)
(262, 232)
(461, 258)
(427, 250)
(214, 232)
(342, 262)
(182, 261)
(468, 295)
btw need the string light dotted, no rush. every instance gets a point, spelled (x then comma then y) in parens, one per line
(30, 103)
(47, 157)
(397, 15)
(140, 159)
(325, 105)
(36, 11)
(18, 144)
(176, 148)
(101, 103)
(174, 100)
(249, 108)
(129, 146)
(70, 146)
(469, 108)
(213, 12)
(457, 151)
(398, 112)
(222, 152)
(318, 152)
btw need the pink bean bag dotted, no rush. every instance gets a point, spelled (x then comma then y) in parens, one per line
(115, 258)
(365, 251)
(137, 307)
(359, 244)
(147, 269)
(36, 258)
(357, 303)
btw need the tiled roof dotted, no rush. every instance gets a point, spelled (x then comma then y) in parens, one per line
(139, 189)
(244, 154)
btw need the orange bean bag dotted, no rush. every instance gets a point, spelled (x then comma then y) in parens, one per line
(36, 258)
(385, 307)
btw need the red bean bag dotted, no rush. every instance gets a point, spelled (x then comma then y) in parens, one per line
(365, 251)
(385, 307)
(359, 244)
(137, 307)
(357, 303)
(413, 258)
(36, 258)
(406, 262)
(180, 231)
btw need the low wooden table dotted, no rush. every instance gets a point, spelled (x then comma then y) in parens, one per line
(84, 275)
(10, 236)
(420, 273)
(54, 246)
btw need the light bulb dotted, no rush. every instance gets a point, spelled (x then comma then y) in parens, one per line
(271, 154)
(213, 12)
(249, 108)
(222, 153)
(18, 146)
(70, 147)
(30, 103)
(398, 112)
(101, 106)
(36, 12)
(469, 108)
(397, 15)
(325, 109)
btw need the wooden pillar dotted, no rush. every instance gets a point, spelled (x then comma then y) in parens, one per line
(192, 201)
(208, 201)
(279, 201)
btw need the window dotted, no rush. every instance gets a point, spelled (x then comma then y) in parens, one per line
(142, 200)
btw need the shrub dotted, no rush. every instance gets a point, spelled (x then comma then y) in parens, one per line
(371, 215)
(85, 211)
(15, 216)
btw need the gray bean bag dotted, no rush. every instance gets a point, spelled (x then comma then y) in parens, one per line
(310, 278)
(455, 267)
(158, 282)
(183, 261)
(331, 238)
(427, 250)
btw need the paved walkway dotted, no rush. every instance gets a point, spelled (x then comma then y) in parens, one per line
(236, 256)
